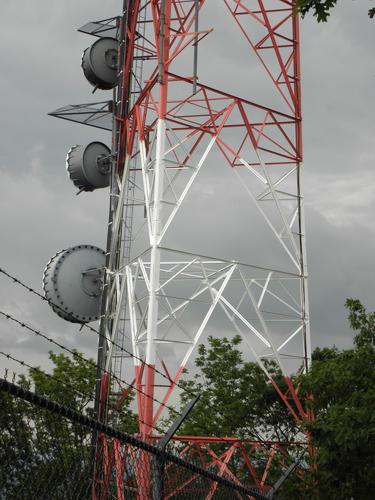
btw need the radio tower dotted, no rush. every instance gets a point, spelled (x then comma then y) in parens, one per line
(168, 129)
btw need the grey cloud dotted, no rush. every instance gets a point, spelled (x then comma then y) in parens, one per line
(40, 213)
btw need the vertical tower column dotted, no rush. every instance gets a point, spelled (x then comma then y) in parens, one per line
(156, 217)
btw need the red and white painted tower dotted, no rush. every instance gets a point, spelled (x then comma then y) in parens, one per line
(173, 136)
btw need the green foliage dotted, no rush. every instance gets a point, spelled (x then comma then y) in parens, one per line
(43, 455)
(343, 388)
(71, 383)
(321, 8)
(362, 322)
(237, 398)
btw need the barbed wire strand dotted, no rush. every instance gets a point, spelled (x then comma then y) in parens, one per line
(34, 368)
(42, 297)
(48, 375)
(90, 328)
(87, 360)
(33, 291)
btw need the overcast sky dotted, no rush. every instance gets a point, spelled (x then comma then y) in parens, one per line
(40, 213)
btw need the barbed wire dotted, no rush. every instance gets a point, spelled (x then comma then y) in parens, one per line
(41, 296)
(92, 363)
(90, 328)
(48, 375)
(67, 384)
(75, 353)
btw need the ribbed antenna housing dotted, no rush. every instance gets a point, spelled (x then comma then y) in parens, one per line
(99, 63)
(72, 283)
(89, 166)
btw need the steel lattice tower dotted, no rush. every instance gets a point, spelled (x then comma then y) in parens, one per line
(167, 126)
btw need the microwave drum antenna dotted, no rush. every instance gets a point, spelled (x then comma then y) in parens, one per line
(99, 63)
(89, 166)
(73, 281)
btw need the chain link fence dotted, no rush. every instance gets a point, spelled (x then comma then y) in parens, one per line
(46, 452)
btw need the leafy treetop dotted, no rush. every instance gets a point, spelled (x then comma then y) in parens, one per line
(321, 8)
(343, 433)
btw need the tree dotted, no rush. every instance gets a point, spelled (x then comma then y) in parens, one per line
(321, 8)
(237, 400)
(343, 388)
(43, 455)
(41, 450)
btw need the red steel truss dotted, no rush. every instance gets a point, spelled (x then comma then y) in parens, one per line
(245, 462)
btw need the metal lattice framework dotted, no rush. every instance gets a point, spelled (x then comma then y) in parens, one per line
(168, 129)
